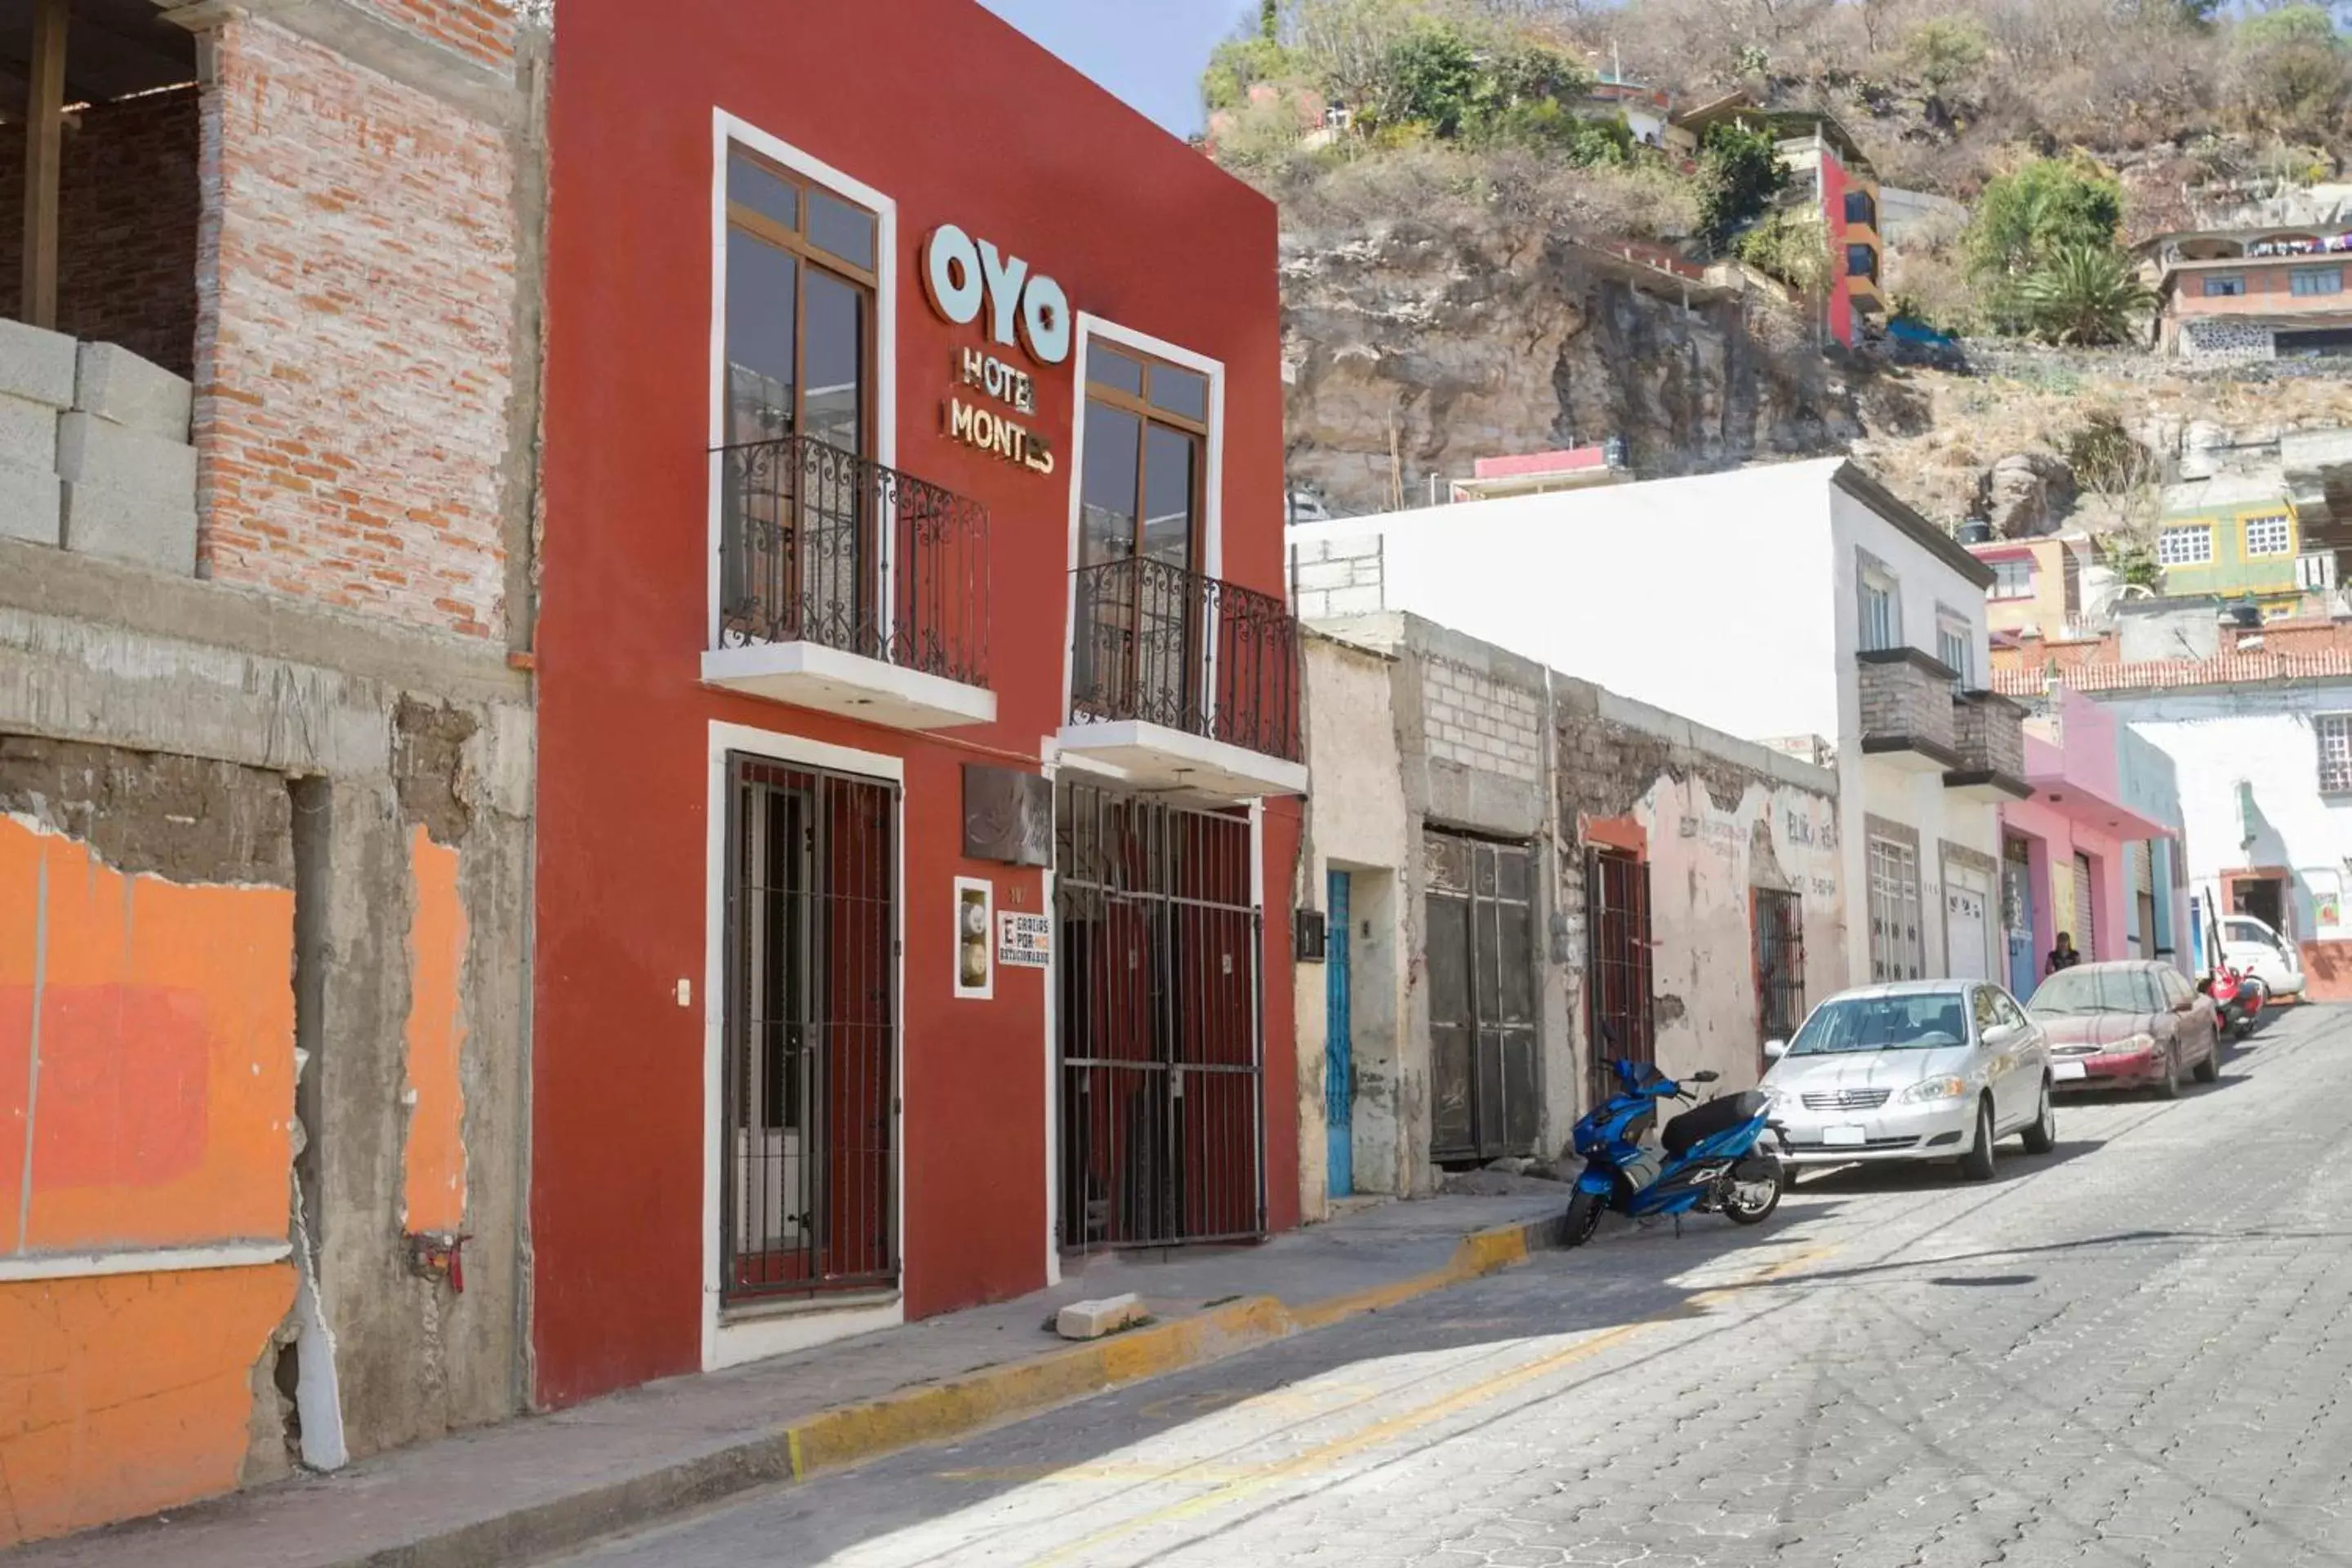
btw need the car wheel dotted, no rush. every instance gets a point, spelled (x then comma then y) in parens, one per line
(2210, 1069)
(1977, 1164)
(2043, 1135)
(2169, 1085)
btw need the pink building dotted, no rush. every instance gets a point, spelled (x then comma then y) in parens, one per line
(2066, 848)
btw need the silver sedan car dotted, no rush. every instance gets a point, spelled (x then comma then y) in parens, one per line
(1927, 1069)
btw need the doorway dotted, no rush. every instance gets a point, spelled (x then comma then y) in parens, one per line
(1338, 1043)
(1480, 912)
(1780, 967)
(1160, 1141)
(1619, 1023)
(1968, 923)
(2264, 897)
(2086, 925)
(811, 1033)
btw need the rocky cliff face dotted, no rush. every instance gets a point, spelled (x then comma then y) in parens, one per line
(1418, 349)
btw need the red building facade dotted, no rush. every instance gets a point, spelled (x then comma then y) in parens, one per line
(918, 730)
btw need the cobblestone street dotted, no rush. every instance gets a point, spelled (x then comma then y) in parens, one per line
(2133, 1350)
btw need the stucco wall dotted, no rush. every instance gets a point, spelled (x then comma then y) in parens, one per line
(2260, 739)
(1704, 595)
(1356, 822)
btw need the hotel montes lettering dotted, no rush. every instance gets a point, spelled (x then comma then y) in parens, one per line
(971, 281)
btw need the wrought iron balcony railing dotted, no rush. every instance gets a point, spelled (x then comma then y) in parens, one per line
(820, 545)
(1160, 645)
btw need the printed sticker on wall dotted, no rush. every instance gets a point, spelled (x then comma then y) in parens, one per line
(975, 912)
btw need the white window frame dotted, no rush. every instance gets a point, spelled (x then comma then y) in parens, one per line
(1212, 513)
(731, 1340)
(1892, 870)
(2276, 525)
(2314, 571)
(2012, 577)
(1953, 627)
(2202, 554)
(2332, 733)
(728, 130)
(1874, 583)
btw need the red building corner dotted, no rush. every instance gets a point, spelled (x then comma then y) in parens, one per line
(918, 707)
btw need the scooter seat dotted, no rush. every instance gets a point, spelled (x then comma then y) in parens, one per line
(1719, 1115)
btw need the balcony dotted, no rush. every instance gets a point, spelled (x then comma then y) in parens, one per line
(1182, 682)
(1988, 732)
(850, 588)
(1907, 710)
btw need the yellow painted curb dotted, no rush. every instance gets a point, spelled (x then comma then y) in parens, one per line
(935, 1412)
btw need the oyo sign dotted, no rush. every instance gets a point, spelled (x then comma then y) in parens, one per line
(967, 279)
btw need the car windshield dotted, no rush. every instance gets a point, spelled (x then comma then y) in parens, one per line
(1924, 1022)
(2070, 993)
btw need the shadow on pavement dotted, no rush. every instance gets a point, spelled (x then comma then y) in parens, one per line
(1626, 1278)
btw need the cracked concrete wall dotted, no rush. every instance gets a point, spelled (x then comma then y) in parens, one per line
(376, 750)
(1722, 817)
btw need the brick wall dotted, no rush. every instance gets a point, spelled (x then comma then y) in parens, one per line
(356, 357)
(1479, 723)
(127, 219)
(481, 30)
(1990, 733)
(1901, 698)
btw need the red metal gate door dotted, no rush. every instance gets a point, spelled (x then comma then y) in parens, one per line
(809, 1202)
(1617, 971)
(1161, 1128)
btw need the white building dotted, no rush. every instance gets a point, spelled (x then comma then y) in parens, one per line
(2263, 746)
(1797, 600)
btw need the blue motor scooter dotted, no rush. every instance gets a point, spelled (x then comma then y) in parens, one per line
(1716, 1157)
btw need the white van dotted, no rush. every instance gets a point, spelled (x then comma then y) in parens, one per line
(2252, 948)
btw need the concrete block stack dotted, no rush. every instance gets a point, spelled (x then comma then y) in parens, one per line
(36, 385)
(128, 473)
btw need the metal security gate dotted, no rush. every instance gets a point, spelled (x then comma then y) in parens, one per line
(1158, 1020)
(1480, 913)
(811, 1033)
(1620, 1025)
(1779, 966)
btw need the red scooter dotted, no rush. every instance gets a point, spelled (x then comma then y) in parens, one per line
(2238, 999)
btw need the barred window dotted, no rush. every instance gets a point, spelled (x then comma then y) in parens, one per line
(2334, 731)
(2190, 546)
(2272, 535)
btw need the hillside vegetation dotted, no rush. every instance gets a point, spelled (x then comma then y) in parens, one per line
(1440, 307)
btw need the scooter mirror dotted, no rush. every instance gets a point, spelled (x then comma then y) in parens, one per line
(1775, 1049)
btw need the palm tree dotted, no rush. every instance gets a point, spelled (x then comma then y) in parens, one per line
(2085, 296)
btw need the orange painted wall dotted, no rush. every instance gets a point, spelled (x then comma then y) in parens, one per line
(159, 1113)
(123, 1394)
(433, 1159)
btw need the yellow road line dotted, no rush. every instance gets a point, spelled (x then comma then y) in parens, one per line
(1411, 1420)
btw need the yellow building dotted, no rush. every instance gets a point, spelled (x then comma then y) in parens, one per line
(2237, 538)
(2037, 584)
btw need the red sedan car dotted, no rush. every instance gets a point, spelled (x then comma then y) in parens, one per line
(2131, 1024)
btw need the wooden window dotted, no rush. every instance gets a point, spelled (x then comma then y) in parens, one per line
(1145, 459)
(802, 273)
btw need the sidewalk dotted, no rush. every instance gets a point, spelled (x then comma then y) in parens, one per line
(529, 1488)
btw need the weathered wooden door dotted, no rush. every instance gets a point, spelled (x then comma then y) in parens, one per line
(1479, 913)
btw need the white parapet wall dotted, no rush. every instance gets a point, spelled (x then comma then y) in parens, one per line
(94, 451)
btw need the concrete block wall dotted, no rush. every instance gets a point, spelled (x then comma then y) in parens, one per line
(1469, 718)
(1335, 577)
(94, 452)
(1901, 698)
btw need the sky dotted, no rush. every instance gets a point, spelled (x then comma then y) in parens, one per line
(1149, 52)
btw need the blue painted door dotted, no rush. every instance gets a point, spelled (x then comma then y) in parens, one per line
(1338, 1050)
